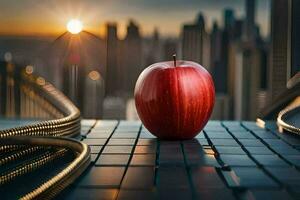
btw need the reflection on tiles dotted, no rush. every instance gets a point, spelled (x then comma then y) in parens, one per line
(226, 160)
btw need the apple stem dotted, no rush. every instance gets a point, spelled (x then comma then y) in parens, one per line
(174, 59)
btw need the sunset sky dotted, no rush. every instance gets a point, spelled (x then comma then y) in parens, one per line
(49, 17)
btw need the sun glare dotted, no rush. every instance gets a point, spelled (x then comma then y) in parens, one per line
(74, 26)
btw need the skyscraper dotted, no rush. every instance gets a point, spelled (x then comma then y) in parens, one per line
(152, 49)
(246, 82)
(74, 70)
(69, 59)
(220, 72)
(252, 68)
(229, 19)
(94, 95)
(249, 29)
(3, 75)
(112, 82)
(193, 36)
(131, 62)
(238, 29)
(279, 38)
(170, 47)
(248, 60)
(215, 46)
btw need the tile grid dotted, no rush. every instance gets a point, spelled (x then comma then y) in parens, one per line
(107, 140)
(187, 168)
(215, 135)
(237, 192)
(130, 158)
(249, 154)
(267, 145)
(89, 129)
(241, 145)
(156, 162)
(284, 186)
(287, 188)
(222, 164)
(270, 147)
(175, 161)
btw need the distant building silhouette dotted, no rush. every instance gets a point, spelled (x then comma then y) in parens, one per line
(94, 95)
(249, 29)
(247, 83)
(240, 74)
(279, 38)
(152, 49)
(3, 75)
(229, 19)
(236, 55)
(74, 70)
(238, 29)
(221, 68)
(113, 73)
(195, 41)
(221, 108)
(114, 108)
(131, 62)
(67, 60)
(169, 48)
(10, 75)
(215, 46)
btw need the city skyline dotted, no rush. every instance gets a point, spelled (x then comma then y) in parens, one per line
(147, 15)
(235, 54)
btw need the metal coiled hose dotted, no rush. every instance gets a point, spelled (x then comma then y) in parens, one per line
(284, 115)
(49, 140)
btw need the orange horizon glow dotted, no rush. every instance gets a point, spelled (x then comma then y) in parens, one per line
(56, 30)
(50, 17)
(49, 31)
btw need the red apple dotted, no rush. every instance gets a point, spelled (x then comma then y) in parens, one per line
(174, 100)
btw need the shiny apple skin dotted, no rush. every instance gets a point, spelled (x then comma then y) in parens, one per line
(174, 103)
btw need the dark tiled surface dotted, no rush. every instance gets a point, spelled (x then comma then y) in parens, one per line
(113, 159)
(238, 160)
(259, 150)
(117, 149)
(136, 194)
(228, 160)
(94, 157)
(95, 142)
(148, 149)
(143, 160)
(264, 194)
(95, 149)
(121, 142)
(206, 178)
(270, 160)
(248, 177)
(224, 142)
(288, 176)
(215, 194)
(81, 193)
(102, 177)
(230, 150)
(251, 142)
(139, 178)
(172, 177)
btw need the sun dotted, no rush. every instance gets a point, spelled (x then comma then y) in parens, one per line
(74, 26)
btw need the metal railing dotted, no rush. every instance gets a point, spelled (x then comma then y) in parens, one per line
(31, 147)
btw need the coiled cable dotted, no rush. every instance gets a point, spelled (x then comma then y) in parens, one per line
(21, 142)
